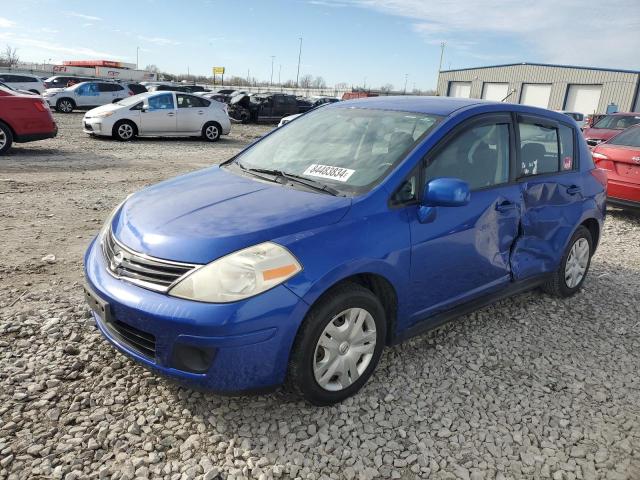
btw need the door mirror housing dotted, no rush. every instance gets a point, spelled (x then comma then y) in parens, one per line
(442, 192)
(446, 192)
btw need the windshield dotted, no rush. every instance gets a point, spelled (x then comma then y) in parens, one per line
(628, 138)
(617, 122)
(132, 100)
(349, 149)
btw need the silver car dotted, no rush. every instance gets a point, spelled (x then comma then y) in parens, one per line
(159, 114)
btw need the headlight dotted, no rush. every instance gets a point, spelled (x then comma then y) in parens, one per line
(101, 115)
(239, 275)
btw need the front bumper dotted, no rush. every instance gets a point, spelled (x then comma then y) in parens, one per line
(95, 126)
(249, 341)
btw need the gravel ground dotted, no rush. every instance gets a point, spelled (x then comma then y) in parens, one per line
(532, 387)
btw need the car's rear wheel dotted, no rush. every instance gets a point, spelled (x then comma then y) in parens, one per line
(6, 138)
(211, 131)
(65, 105)
(124, 130)
(338, 345)
(574, 266)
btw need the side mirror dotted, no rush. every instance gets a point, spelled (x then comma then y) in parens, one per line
(442, 192)
(144, 109)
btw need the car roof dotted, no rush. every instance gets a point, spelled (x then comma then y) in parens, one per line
(411, 103)
(624, 114)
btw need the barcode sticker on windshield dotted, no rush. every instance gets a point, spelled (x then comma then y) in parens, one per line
(326, 171)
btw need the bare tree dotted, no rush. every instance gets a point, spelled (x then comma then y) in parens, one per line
(9, 58)
(306, 81)
(152, 68)
(387, 87)
(319, 82)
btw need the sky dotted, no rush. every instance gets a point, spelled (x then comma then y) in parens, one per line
(359, 42)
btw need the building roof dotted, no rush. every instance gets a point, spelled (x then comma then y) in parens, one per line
(543, 65)
(411, 103)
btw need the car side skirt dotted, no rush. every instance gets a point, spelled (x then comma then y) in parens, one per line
(435, 321)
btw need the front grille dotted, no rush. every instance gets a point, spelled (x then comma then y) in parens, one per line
(142, 342)
(148, 272)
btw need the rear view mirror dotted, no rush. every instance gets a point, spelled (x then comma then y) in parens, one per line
(442, 192)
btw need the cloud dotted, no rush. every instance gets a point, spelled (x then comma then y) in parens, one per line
(6, 23)
(159, 40)
(83, 16)
(24, 41)
(589, 32)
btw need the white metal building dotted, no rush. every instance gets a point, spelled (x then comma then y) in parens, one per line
(557, 87)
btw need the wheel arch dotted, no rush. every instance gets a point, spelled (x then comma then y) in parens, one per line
(13, 131)
(593, 226)
(136, 129)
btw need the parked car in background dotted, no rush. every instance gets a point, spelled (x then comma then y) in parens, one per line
(620, 157)
(316, 101)
(136, 88)
(226, 91)
(159, 114)
(218, 97)
(23, 118)
(176, 88)
(85, 95)
(577, 116)
(287, 119)
(64, 81)
(304, 104)
(263, 107)
(609, 126)
(359, 225)
(20, 81)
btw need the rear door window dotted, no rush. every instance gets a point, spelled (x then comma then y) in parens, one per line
(539, 152)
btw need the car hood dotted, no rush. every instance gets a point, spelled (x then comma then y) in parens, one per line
(104, 108)
(204, 215)
(600, 133)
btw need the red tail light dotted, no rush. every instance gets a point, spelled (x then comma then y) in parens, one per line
(131, 93)
(600, 174)
(40, 106)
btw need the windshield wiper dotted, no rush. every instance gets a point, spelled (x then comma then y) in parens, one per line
(308, 182)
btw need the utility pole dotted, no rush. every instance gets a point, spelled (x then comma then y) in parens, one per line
(299, 56)
(406, 77)
(279, 77)
(137, 58)
(442, 45)
(272, 59)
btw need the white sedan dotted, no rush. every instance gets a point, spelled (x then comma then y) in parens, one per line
(159, 114)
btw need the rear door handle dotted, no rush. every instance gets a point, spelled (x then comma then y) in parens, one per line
(505, 206)
(170, 114)
(573, 189)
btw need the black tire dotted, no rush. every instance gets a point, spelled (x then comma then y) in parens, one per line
(211, 131)
(65, 105)
(124, 130)
(557, 283)
(6, 138)
(301, 378)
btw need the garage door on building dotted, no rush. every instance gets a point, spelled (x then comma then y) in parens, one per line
(583, 98)
(535, 94)
(460, 89)
(495, 91)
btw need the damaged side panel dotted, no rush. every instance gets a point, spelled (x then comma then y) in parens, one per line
(552, 208)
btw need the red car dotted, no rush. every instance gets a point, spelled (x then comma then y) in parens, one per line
(23, 118)
(620, 157)
(609, 126)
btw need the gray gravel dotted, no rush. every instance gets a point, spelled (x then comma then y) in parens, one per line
(533, 387)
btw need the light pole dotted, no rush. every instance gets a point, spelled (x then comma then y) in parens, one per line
(137, 58)
(299, 56)
(406, 77)
(271, 81)
(279, 77)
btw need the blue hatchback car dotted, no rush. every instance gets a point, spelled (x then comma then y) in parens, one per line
(355, 226)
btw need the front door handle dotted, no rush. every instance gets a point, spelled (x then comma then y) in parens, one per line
(505, 206)
(573, 189)
(170, 114)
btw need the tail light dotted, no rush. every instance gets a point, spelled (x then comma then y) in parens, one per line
(40, 106)
(131, 94)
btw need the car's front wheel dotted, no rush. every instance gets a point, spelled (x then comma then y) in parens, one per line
(65, 105)
(574, 266)
(6, 138)
(124, 130)
(338, 346)
(211, 132)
